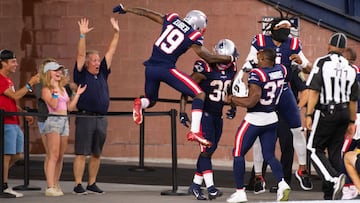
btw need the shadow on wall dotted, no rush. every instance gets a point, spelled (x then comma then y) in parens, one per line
(28, 44)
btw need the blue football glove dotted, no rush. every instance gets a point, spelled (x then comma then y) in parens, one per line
(231, 113)
(119, 9)
(184, 119)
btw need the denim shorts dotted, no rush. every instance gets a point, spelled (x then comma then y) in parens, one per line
(41, 126)
(13, 139)
(58, 124)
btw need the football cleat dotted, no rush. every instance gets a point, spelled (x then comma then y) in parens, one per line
(238, 196)
(259, 186)
(283, 191)
(304, 180)
(195, 190)
(214, 194)
(191, 136)
(137, 111)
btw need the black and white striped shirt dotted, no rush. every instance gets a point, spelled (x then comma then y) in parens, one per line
(334, 78)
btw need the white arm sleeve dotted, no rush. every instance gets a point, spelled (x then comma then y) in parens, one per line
(304, 60)
(252, 56)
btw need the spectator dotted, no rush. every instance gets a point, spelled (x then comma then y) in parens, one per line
(90, 132)
(349, 190)
(56, 128)
(13, 137)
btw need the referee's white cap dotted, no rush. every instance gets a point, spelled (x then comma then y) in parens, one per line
(338, 40)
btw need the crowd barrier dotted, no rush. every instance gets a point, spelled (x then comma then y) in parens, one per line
(141, 167)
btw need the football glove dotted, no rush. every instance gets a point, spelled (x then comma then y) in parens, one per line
(231, 113)
(119, 9)
(239, 88)
(249, 65)
(184, 119)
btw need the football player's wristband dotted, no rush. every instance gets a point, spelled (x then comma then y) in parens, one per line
(82, 36)
(308, 115)
(28, 87)
(352, 121)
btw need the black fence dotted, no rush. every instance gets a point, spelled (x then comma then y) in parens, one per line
(141, 166)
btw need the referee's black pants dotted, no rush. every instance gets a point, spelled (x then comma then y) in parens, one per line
(328, 134)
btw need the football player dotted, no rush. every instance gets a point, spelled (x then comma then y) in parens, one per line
(214, 79)
(288, 51)
(176, 37)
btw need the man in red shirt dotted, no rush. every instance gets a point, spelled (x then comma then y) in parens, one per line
(13, 136)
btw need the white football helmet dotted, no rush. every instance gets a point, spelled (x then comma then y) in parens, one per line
(228, 48)
(196, 19)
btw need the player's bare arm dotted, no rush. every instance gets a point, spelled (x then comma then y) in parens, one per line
(84, 29)
(203, 53)
(247, 102)
(114, 42)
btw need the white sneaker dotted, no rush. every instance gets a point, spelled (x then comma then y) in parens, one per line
(338, 185)
(237, 197)
(11, 191)
(53, 192)
(283, 191)
(349, 192)
(58, 188)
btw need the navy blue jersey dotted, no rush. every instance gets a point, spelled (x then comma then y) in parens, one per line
(96, 97)
(175, 39)
(283, 52)
(215, 85)
(271, 81)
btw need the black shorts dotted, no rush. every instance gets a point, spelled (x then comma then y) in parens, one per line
(90, 135)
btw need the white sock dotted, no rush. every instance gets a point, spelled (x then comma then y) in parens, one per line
(209, 178)
(258, 158)
(299, 143)
(144, 103)
(196, 115)
(198, 179)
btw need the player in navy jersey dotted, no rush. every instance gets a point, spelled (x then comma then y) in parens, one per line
(288, 51)
(177, 36)
(265, 87)
(214, 79)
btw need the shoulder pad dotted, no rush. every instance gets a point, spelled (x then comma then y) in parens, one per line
(200, 66)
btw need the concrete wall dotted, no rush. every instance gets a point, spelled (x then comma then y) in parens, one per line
(36, 29)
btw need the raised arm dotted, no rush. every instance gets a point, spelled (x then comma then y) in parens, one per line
(203, 53)
(153, 15)
(84, 29)
(114, 42)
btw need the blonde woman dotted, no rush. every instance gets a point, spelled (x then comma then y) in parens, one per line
(56, 127)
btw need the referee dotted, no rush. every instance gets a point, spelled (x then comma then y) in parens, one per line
(331, 113)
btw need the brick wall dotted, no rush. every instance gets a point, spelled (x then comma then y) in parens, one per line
(48, 28)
